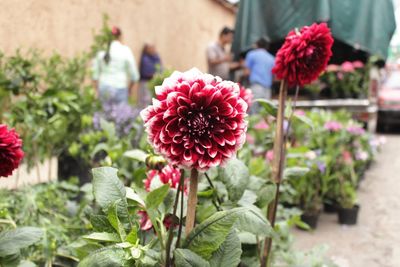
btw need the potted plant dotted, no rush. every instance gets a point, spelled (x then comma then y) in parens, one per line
(348, 210)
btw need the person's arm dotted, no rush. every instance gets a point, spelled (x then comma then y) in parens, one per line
(213, 58)
(249, 61)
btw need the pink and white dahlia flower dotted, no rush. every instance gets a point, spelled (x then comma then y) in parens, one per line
(197, 120)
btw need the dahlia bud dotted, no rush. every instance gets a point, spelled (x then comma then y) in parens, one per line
(155, 162)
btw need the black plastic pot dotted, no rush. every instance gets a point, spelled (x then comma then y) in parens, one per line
(330, 207)
(348, 216)
(311, 219)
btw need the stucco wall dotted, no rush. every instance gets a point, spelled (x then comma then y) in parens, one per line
(181, 29)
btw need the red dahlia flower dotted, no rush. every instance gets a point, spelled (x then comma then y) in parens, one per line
(197, 120)
(11, 152)
(304, 55)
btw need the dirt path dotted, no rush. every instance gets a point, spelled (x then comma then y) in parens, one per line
(375, 241)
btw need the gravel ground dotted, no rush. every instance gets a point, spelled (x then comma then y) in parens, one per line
(375, 240)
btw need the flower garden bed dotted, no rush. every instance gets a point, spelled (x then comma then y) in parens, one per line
(193, 181)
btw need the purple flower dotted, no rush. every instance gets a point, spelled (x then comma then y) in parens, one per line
(122, 115)
(321, 166)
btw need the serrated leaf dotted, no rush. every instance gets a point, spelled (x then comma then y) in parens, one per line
(235, 176)
(228, 254)
(100, 223)
(104, 237)
(251, 220)
(187, 258)
(108, 257)
(107, 188)
(208, 236)
(12, 241)
(112, 216)
(136, 154)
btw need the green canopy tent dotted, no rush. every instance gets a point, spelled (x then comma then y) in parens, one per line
(357, 25)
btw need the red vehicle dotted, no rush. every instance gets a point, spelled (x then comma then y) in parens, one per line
(389, 101)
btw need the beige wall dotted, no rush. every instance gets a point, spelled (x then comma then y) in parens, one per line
(181, 29)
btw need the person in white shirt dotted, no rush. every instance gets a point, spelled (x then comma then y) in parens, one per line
(115, 74)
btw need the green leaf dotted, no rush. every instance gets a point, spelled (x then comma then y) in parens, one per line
(208, 236)
(268, 106)
(228, 254)
(136, 154)
(303, 119)
(112, 216)
(248, 198)
(105, 237)
(251, 219)
(235, 175)
(11, 241)
(131, 194)
(100, 223)
(107, 188)
(26, 264)
(187, 258)
(108, 257)
(266, 194)
(132, 237)
(295, 172)
(156, 197)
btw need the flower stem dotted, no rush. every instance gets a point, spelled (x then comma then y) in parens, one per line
(217, 206)
(192, 201)
(171, 228)
(178, 240)
(277, 167)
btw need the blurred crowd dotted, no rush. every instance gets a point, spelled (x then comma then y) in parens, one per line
(118, 79)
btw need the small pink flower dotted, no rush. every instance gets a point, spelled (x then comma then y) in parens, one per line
(358, 64)
(333, 126)
(332, 67)
(250, 139)
(299, 112)
(340, 75)
(347, 66)
(262, 125)
(269, 156)
(347, 157)
(355, 130)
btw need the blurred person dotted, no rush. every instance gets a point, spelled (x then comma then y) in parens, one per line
(218, 59)
(150, 63)
(259, 63)
(115, 74)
